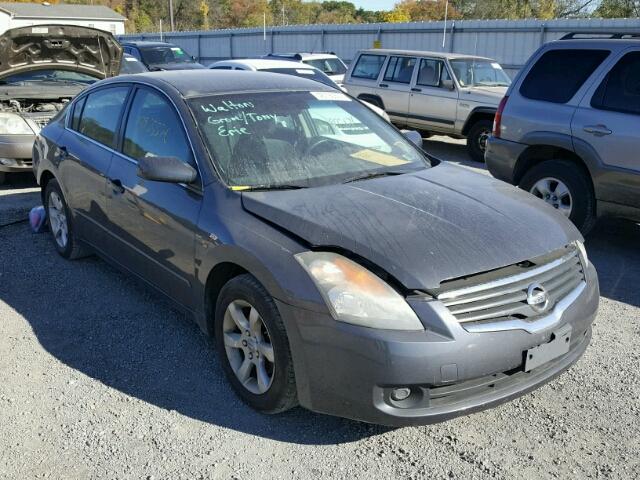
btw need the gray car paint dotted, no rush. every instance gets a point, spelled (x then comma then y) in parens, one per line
(340, 369)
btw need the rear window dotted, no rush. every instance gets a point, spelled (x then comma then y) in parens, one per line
(559, 74)
(316, 75)
(368, 66)
(620, 90)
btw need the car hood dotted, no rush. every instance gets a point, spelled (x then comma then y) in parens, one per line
(176, 66)
(64, 47)
(486, 94)
(422, 228)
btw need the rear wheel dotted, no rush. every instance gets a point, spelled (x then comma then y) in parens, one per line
(60, 223)
(253, 346)
(566, 187)
(477, 139)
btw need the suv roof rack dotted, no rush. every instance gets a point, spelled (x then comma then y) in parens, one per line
(295, 56)
(591, 35)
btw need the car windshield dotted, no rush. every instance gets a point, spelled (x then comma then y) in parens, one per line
(131, 65)
(165, 55)
(304, 73)
(49, 75)
(475, 72)
(299, 139)
(330, 66)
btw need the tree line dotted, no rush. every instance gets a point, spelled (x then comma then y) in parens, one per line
(145, 15)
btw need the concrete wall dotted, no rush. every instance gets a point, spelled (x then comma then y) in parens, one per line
(6, 22)
(511, 42)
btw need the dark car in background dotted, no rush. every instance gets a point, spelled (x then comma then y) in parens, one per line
(131, 64)
(161, 55)
(41, 69)
(346, 272)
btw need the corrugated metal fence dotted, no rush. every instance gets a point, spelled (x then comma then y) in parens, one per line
(510, 42)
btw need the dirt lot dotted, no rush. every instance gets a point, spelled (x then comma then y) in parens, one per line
(101, 378)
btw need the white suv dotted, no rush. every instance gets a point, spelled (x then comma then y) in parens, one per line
(445, 93)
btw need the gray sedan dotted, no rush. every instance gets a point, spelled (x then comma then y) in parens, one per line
(336, 265)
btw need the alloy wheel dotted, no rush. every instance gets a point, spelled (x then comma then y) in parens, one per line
(482, 139)
(248, 347)
(555, 193)
(58, 220)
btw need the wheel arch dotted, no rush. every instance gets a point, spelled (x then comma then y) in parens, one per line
(217, 278)
(45, 177)
(372, 98)
(477, 114)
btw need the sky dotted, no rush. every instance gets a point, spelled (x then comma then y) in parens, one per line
(374, 4)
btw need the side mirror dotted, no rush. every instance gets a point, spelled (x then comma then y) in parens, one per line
(166, 169)
(447, 83)
(414, 137)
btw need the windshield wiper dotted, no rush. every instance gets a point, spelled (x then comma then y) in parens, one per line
(278, 186)
(387, 173)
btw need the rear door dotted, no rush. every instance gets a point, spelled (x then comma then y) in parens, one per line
(608, 119)
(87, 148)
(363, 76)
(152, 224)
(432, 105)
(395, 87)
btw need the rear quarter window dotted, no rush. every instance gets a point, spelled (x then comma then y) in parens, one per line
(559, 74)
(368, 66)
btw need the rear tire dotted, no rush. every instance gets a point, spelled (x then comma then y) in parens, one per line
(559, 174)
(61, 223)
(265, 348)
(477, 139)
(3, 177)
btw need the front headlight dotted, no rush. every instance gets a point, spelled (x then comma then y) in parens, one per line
(357, 296)
(13, 124)
(583, 253)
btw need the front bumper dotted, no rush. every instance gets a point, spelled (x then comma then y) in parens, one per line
(501, 157)
(350, 371)
(15, 153)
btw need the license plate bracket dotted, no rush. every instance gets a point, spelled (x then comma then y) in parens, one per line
(546, 352)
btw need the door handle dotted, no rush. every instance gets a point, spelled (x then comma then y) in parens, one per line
(116, 186)
(416, 89)
(384, 85)
(597, 130)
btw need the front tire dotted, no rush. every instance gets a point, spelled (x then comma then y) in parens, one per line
(566, 187)
(61, 224)
(477, 139)
(253, 346)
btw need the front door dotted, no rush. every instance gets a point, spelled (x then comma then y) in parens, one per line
(394, 88)
(434, 100)
(153, 223)
(608, 119)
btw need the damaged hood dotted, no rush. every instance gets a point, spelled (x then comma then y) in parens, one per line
(422, 228)
(65, 47)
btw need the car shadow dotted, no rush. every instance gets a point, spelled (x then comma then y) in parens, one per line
(614, 248)
(102, 323)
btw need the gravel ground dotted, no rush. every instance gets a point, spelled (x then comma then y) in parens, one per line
(102, 378)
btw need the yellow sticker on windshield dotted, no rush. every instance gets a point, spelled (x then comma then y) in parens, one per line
(378, 157)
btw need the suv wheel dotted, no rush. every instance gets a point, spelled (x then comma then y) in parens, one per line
(253, 346)
(566, 187)
(477, 139)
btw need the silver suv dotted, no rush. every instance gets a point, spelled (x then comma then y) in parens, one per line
(445, 93)
(568, 129)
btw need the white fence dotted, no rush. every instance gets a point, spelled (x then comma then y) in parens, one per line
(510, 42)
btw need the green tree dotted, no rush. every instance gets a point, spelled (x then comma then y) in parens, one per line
(618, 9)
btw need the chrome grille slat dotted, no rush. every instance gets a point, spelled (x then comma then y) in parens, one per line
(505, 298)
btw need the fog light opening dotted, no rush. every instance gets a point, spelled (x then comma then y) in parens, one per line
(400, 394)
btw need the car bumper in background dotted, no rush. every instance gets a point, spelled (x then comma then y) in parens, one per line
(354, 372)
(501, 157)
(15, 153)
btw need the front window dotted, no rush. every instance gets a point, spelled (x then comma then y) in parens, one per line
(304, 73)
(330, 66)
(49, 76)
(165, 55)
(299, 139)
(475, 72)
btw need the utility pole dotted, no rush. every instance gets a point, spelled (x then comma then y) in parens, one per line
(173, 28)
(283, 13)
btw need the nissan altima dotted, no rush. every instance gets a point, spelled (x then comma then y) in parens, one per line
(336, 265)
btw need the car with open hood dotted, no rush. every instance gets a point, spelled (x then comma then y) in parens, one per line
(41, 69)
(336, 265)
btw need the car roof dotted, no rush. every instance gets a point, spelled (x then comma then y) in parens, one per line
(145, 43)
(196, 83)
(421, 53)
(263, 63)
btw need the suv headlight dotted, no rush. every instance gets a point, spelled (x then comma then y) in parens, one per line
(583, 253)
(357, 296)
(13, 124)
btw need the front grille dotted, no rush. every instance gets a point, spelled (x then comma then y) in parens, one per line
(502, 294)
